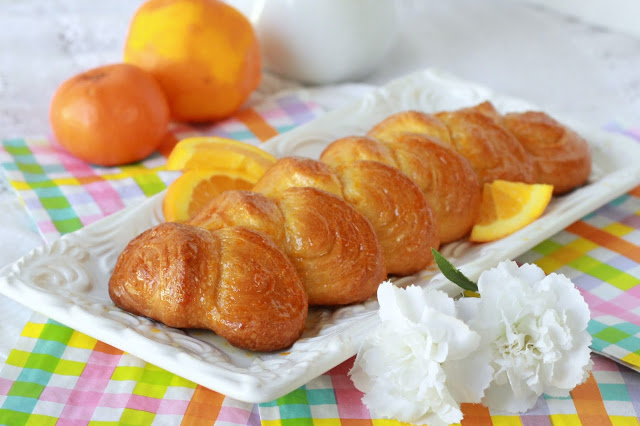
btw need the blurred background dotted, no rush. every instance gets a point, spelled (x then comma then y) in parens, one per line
(577, 57)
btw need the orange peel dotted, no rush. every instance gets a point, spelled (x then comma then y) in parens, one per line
(508, 207)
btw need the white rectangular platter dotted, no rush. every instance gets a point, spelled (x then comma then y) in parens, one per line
(67, 280)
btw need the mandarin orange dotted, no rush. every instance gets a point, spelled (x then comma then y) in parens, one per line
(110, 115)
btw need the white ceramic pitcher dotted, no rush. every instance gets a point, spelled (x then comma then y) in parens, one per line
(324, 41)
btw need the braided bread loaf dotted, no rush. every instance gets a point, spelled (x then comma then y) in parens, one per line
(328, 232)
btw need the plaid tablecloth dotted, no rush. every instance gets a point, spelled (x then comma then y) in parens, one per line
(55, 375)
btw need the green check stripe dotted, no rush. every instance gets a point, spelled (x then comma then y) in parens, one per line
(151, 382)
(623, 335)
(295, 407)
(37, 368)
(547, 247)
(593, 267)
(150, 183)
(614, 392)
(10, 417)
(62, 214)
(604, 272)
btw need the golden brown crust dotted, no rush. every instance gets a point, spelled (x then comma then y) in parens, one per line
(333, 247)
(294, 171)
(261, 302)
(410, 122)
(243, 208)
(352, 148)
(401, 217)
(562, 157)
(446, 179)
(294, 219)
(234, 281)
(494, 153)
(159, 272)
(486, 108)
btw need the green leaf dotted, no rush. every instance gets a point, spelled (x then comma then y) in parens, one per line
(452, 273)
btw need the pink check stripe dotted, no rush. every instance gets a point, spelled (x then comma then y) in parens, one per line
(347, 396)
(144, 403)
(46, 227)
(81, 405)
(106, 198)
(172, 407)
(600, 307)
(89, 389)
(114, 400)
(89, 219)
(233, 415)
(55, 394)
(5, 385)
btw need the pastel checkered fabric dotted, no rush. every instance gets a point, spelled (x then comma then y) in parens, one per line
(55, 375)
(609, 397)
(601, 255)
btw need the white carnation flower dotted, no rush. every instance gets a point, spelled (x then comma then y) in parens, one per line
(536, 328)
(422, 361)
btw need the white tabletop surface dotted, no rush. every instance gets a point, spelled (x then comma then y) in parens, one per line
(579, 59)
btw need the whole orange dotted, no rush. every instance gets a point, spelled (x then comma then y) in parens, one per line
(110, 115)
(204, 53)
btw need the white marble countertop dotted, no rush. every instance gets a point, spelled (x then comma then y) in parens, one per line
(580, 59)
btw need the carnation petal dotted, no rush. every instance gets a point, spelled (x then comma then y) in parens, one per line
(467, 308)
(439, 301)
(467, 378)
(570, 370)
(502, 397)
(529, 273)
(569, 297)
(400, 364)
(536, 326)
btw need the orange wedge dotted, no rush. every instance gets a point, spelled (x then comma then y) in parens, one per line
(507, 207)
(190, 192)
(214, 153)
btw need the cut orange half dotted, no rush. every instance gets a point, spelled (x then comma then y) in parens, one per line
(192, 191)
(214, 153)
(508, 207)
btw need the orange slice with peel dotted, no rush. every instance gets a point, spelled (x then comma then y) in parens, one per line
(192, 191)
(221, 154)
(508, 207)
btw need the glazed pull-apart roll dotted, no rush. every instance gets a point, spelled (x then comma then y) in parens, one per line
(333, 248)
(445, 177)
(243, 208)
(297, 172)
(416, 122)
(353, 148)
(386, 197)
(562, 158)
(494, 153)
(233, 281)
(398, 211)
(486, 108)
